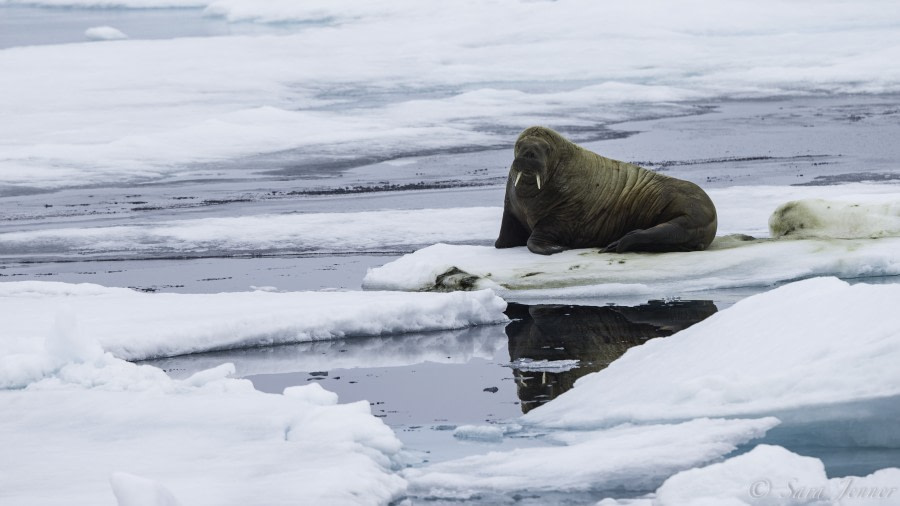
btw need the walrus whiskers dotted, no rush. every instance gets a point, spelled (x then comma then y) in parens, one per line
(516, 182)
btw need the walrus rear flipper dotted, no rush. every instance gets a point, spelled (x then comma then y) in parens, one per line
(512, 232)
(668, 236)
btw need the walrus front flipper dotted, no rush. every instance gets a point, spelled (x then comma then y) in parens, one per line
(512, 232)
(668, 236)
(544, 239)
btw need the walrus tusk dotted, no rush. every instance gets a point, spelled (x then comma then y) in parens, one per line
(518, 175)
(538, 177)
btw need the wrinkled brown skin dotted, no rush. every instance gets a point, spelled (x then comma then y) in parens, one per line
(589, 201)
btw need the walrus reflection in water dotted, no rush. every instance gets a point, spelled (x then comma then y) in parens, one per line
(561, 196)
(595, 336)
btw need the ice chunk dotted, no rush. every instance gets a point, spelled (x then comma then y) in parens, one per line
(811, 343)
(626, 457)
(527, 364)
(771, 475)
(134, 325)
(486, 433)
(104, 33)
(220, 443)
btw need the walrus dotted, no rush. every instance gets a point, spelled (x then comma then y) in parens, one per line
(561, 196)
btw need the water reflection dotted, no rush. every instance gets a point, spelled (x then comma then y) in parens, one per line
(595, 336)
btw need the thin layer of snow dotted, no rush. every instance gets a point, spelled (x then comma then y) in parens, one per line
(386, 230)
(730, 262)
(770, 475)
(812, 343)
(207, 440)
(625, 457)
(104, 33)
(741, 210)
(134, 325)
(394, 78)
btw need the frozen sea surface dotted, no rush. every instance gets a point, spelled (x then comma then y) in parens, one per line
(214, 151)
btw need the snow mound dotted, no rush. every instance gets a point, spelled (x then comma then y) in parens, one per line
(731, 261)
(104, 33)
(831, 219)
(770, 475)
(625, 457)
(134, 325)
(212, 440)
(812, 343)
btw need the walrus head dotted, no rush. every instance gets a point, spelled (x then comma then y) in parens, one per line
(536, 155)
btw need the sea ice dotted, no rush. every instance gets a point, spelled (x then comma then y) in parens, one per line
(818, 342)
(770, 475)
(104, 33)
(207, 440)
(393, 78)
(629, 457)
(134, 325)
(729, 262)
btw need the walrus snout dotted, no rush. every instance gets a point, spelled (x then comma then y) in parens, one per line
(531, 167)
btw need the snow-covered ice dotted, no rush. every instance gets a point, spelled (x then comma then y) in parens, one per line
(400, 350)
(395, 78)
(839, 240)
(730, 262)
(629, 457)
(810, 343)
(770, 475)
(741, 210)
(134, 325)
(104, 33)
(372, 231)
(100, 426)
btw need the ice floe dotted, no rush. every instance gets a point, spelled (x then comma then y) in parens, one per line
(626, 458)
(770, 475)
(393, 78)
(104, 33)
(100, 426)
(730, 262)
(372, 231)
(817, 342)
(134, 325)
(742, 210)
(814, 353)
(440, 347)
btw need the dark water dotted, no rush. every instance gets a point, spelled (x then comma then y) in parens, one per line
(595, 336)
